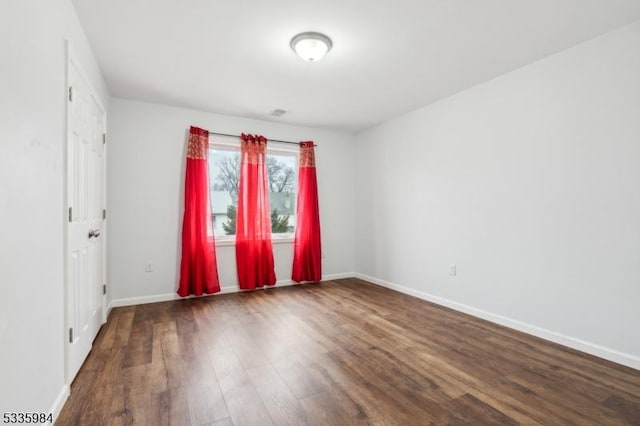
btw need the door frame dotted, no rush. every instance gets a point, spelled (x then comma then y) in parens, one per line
(70, 58)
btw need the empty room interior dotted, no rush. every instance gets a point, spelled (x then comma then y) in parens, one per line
(320, 213)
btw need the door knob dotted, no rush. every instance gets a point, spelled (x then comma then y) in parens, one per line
(94, 233)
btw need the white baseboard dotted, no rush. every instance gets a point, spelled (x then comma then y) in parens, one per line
(344, 275)
(57, 405)
(571, 342)
(141, 300)
(224, 290)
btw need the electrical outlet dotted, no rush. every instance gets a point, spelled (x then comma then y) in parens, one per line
(148, 266)
(452, 270)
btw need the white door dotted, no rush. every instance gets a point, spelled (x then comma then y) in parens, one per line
(85, 202)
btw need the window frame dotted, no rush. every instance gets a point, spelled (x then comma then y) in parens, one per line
(278, 149)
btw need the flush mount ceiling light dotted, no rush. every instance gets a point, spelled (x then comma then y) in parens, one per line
(311, 46)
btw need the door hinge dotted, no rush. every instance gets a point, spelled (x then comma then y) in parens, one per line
(104, 289)
(70, 214)
(71, 335)
(104, 214)
(104, 138)
(70, 94)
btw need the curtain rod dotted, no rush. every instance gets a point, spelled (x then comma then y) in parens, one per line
(268, 140)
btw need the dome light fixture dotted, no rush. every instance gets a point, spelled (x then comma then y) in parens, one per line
(311, 46)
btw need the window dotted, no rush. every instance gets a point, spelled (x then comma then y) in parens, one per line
(224, 167)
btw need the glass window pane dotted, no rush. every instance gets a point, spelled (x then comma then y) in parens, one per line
(282, 191)
(224, 166)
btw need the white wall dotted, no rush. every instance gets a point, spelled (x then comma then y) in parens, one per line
(530, 183)
(32, 135)
(146, 147)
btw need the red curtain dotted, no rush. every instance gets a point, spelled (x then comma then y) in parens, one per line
(307, 250)
(254, 254)
(198, 269)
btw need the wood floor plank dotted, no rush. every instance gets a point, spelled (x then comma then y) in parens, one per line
(332, 408)
(241, 398)
(206, 404)
(178, 407)
(282, 405)
(337, 353)
(222, 422)
(302, 381)
(625, 409)
(471, 408)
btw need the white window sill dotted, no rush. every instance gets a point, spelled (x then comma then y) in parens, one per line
(230, 241)
(225, 242)
(282, 240)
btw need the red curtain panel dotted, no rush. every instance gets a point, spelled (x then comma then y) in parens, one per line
(307, 251)
(254, 253)
(198, 269)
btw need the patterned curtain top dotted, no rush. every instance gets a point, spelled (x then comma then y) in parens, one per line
(198, 143)
(253, 149)
(307, 154)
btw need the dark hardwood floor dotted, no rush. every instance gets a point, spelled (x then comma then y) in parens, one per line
(337, 353)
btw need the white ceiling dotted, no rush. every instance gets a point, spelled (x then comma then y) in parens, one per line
(389, 57)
